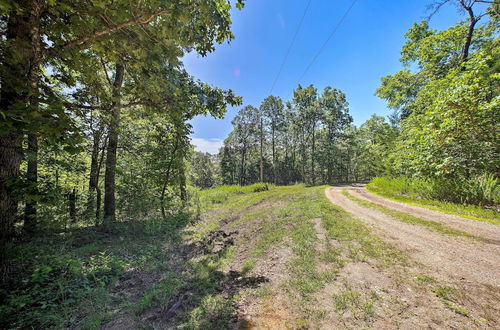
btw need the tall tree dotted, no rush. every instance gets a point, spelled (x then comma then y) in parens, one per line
(307, 116)
(336, 119)
(273, 110)
(472, 17)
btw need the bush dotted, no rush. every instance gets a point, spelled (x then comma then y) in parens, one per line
(221, 194)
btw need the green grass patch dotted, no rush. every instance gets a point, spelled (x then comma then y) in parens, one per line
(360, 305)
(398, 190)
(425, 279)
(67, 279)
(408, 218)
(357, 242)
(210, 198)
(290, 226)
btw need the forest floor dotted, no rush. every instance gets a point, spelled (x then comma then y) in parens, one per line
(291, 257)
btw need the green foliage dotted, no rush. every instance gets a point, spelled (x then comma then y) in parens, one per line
(447, 101)
(408, 218)
(302, 142)
(60, 86)
(63, 279)
(258, 187)
(440, 193)
(202, 171)
(370, 146)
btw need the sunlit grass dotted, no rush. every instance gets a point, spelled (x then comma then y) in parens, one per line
(408, 218)
(392, 190)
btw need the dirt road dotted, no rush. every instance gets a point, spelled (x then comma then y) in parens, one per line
(461, 262)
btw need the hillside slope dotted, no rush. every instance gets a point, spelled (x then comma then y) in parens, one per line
(288, 258)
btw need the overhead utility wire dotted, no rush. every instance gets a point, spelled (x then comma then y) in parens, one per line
(290, 46)
(327, 40)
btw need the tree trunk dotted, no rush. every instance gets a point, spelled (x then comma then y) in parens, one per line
(242, 169)
(261, 152)
(313, 156)
(97, 188)
(30, 211)
(470, 32)
(10, 160)
(304, 158)
(182, 185)
(329, 171)
(162, 198)
(19, 76)
(109, 177)
(167, 179)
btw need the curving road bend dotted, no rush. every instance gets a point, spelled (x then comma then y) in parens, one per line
(459, 259)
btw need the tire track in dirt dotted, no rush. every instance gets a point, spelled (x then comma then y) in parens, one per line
(487, 230)
(449, 257)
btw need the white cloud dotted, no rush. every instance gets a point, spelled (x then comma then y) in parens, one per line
(207, 145)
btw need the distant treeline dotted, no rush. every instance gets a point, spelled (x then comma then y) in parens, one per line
(310, 139)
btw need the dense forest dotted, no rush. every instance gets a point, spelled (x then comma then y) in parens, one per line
(96, 104)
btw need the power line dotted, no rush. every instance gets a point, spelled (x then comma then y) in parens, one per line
(326, 41)
(290, 46)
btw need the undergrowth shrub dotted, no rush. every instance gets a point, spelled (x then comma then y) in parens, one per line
(258, 187)
(46, 297)
(220, 194)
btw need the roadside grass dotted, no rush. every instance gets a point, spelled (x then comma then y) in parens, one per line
(361, 305)
(447, 294)
(357, 242)
(72, 278)
(283, 218)
(407, 218)
(192, 298)
(212, 198)
(66, 278)
(466, 211)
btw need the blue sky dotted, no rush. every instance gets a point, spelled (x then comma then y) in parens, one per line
(365, 47)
